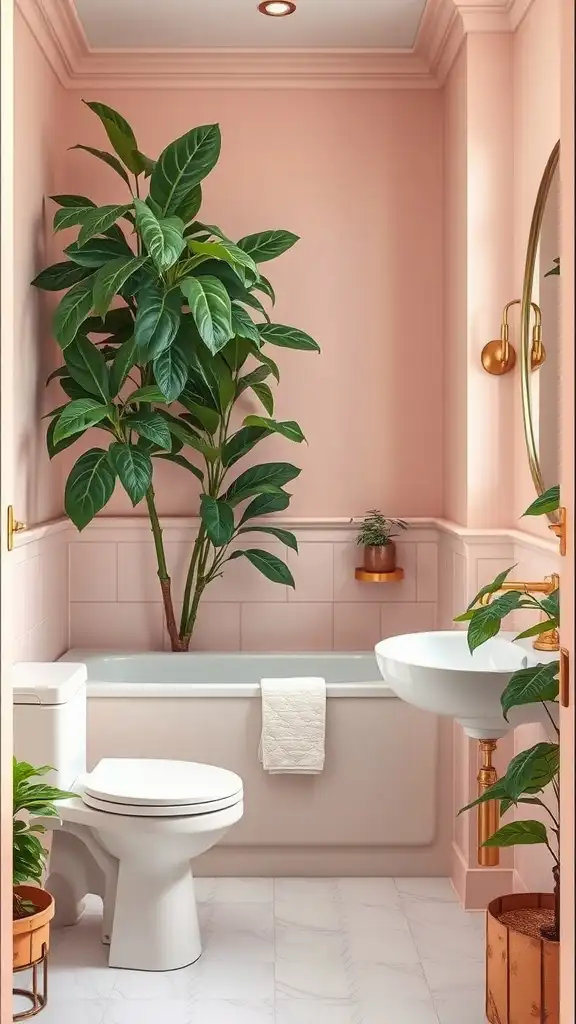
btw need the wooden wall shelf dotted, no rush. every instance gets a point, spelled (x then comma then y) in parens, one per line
(378, 577)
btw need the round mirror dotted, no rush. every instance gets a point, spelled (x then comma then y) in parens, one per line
(539, 350)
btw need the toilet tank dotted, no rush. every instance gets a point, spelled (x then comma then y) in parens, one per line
(50, 718)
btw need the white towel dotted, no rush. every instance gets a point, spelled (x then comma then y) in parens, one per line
(293, 726)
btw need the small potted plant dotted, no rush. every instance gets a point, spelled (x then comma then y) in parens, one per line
(33, 907)
(523, 929)
(375, 536)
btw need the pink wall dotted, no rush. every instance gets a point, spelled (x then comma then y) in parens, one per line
(359, 176)
(37, 156)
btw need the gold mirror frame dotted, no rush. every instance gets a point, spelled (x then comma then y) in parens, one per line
(526, 336)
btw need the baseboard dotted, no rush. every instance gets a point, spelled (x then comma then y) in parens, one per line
(476, 887)
(321, 862)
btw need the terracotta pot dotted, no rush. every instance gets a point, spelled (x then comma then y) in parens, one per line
(522, 973)
(31, 933)
(381, 558)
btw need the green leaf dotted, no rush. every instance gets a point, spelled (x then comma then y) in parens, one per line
(486, 621)
(532, 770)
(263, 285)
(208, 418)
(242, 442)
(74, 202)
(267, 245)
(88, 367)
(95, 222)
(122, 363)
(121, 136)
(288, 428)
(537, 683)
(74, 390)
(59, 276)
(116, 321)
(498, 791)
(254, 377)
(182, 165)
(266, 361)
(171, 372)
(71, 216)
(551, 605)
(134, 467)
(555, 268)
(491, 588)
(259, 480)
(180, 460)
(150, 425)
(188, 436)
(78, 416)
(210, 306)
(107, 158)
(151, 393)
(162, 239)
(72, 310)
(110, 278)
(547, 502)
(276, 500)
(242, 324)
(89, 487)
(54, 448)
(157, 321)
(218, 519)
(226, 251)
(263, 392)
(288, 337)
(519, 833)
(272, 567)
(284, 536)
(98, 251)
(191, 204)
(535, 630)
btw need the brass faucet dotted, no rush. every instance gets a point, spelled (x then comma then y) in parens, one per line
(550, 639)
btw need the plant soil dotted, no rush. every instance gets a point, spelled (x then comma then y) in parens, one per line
(531, 921)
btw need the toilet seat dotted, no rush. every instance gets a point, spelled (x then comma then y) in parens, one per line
(159, 788)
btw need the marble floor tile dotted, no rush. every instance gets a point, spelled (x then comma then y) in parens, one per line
(290, 951)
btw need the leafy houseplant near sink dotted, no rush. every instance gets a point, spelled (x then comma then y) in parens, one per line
(523, 930)
(375, 536)
(166, 338)
(33, 907)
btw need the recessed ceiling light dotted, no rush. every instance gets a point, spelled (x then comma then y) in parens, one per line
(277, 8)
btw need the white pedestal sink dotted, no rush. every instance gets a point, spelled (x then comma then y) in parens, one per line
(436, 672)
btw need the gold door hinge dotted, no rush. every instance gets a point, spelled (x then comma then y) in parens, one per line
(13, 526)
(564, 689)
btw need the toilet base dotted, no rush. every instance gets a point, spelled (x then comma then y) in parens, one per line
(155, 920)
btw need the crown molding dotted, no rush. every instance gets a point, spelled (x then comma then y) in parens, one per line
(443, 28)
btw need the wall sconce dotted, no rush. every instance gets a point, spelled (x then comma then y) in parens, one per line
(499, 356)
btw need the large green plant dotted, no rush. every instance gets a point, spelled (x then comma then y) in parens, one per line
(34, 800)
(160, 342)
(531, 771)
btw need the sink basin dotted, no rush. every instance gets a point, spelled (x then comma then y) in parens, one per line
(436, 672)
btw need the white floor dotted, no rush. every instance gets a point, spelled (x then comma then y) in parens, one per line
(291, 951)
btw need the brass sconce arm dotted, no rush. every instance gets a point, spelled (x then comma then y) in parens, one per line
(499, 356)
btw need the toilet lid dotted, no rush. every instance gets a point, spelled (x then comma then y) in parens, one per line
(183, 786)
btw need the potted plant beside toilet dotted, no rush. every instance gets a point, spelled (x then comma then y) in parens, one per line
(375, 536)
(33, 906)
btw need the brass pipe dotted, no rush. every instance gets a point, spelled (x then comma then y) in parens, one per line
(488, 812)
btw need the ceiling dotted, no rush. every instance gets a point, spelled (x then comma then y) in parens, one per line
(197, 24)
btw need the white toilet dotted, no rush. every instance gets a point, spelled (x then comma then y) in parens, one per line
(130, 834)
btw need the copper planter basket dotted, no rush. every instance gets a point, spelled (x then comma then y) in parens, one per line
(31, 942)
(522, 972)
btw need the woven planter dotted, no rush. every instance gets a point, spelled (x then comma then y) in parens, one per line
(32, 933)
(522, 973)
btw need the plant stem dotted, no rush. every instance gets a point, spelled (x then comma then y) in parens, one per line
(163, 576)
(554, 726)
(196, 551)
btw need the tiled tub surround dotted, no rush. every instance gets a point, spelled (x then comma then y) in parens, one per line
(115, 598)
(291, 951)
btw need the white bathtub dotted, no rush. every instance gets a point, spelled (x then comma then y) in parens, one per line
(223, 675)
(382, 805)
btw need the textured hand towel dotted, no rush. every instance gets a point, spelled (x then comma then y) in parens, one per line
(293, 726)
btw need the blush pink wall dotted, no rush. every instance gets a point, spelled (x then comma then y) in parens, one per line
(38, 154)
(359, 176)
